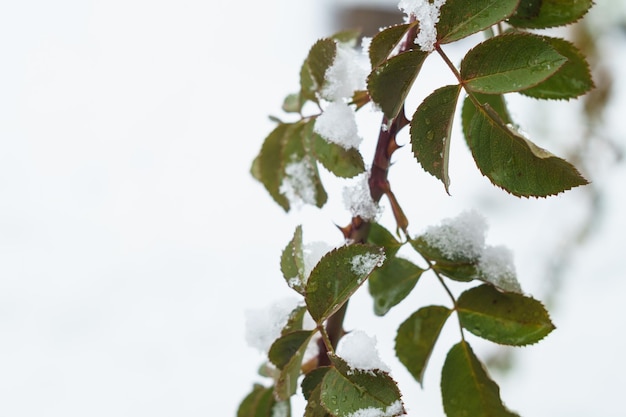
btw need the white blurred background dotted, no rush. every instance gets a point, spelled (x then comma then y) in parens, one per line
(133, 239)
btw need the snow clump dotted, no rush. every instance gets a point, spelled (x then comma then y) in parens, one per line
(427, 14)
(463, 238)
(364, 264)
(297, 185)
(394, 409)
(264, 325)
(337, 124)
(360, 353)
(347, 74)
(358, 200)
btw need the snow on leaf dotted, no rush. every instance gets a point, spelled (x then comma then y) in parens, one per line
(359, 351)
(337, 124)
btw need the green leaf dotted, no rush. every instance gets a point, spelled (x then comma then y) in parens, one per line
(572, 80)
(345, 391)
(431, 127)
(390, 83)
(344, 163)
(292, 262)
(379, 236)
(294, 321)
(505, 318)
(321, 56)
(417, 336)
(292, 103)
(314, 406)
(495, 101)
(337, 276)
(509, 62)
(385, 42)
(312, 380)
(287, 353)
(259, 403)
(467, 389)
(268, 167)
(541, 14)
(392, 282)
(287, 346)
(461, 18)
(348, 37)
(514, 163)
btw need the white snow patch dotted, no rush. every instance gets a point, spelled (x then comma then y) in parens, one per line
(395, 409)
(337, 124)
(427, 14)
(313, 252)
(462, 237)
(496, 267)
(358, 200)
(347, 74)
(360, 353)
(297, 185)
(364, 264)
(264, 325)
(281, 409)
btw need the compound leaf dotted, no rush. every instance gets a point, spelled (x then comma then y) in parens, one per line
(505, 318)
(509, 62)
(461, 18)
(337, 276)
(467, 389)
(430, 131)
(514, 163)
(390, 82)
(417, 336)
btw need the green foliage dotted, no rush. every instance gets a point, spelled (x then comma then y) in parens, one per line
(510, 319)
(337, 276)
(509, 60)
(467, 389)
(417, 336)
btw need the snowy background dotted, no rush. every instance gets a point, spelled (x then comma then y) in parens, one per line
(133, 239)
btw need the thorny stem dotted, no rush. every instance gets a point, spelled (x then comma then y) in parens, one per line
(358, 228)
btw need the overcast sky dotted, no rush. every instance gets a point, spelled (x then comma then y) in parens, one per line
(132, 237)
